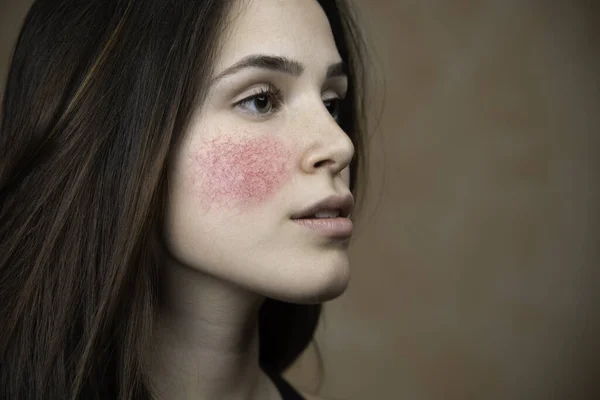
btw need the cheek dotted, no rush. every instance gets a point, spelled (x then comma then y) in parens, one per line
(239, 173)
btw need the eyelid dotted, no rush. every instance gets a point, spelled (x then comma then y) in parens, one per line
(264, 88)
(339, 91)
(336, 96)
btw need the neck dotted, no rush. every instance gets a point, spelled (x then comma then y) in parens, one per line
(205, 343)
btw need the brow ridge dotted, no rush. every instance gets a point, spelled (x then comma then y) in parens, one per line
(278, 64)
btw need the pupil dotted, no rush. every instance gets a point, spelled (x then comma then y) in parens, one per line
(262, 102)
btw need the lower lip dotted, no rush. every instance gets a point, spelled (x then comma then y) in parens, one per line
(333, 227)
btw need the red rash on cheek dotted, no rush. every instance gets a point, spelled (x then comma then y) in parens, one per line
(239, 173)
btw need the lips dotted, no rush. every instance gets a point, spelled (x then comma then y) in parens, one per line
(338, 228)
(330, 207)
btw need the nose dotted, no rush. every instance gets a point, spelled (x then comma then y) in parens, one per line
(329, 148)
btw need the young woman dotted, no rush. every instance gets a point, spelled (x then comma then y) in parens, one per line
(176, 184)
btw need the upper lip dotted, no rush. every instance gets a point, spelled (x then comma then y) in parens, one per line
(342, 204)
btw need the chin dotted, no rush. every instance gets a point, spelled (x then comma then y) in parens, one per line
(317, 285)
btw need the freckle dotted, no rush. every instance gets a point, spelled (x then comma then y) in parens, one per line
(240, 173)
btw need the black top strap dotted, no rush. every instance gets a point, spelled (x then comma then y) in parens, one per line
(285, 389)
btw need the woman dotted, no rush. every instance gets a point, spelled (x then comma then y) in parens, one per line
(175, 192)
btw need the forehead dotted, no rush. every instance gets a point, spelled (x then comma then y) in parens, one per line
(297, 29)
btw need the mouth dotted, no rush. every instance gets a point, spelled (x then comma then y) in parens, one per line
(329, 217)
(340, 228)
(330, 207)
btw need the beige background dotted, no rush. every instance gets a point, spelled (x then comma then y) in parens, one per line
(475, 265)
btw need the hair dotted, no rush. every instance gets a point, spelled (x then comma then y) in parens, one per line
(97, 94)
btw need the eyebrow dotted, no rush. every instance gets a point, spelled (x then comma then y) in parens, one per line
(278, 64)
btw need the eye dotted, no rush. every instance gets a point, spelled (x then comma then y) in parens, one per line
(333, 106)
(265, 102)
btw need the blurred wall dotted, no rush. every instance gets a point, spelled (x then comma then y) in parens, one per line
(475, 262)
(475, 271)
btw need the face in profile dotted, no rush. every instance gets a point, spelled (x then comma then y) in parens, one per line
(258, 190)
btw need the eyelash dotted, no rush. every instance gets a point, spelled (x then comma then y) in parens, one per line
(273, 94)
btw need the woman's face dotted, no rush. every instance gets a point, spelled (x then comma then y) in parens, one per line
(264, 147)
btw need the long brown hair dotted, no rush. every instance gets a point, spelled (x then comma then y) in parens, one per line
(97, 94)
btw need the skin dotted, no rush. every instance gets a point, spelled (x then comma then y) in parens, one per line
(238, 176)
